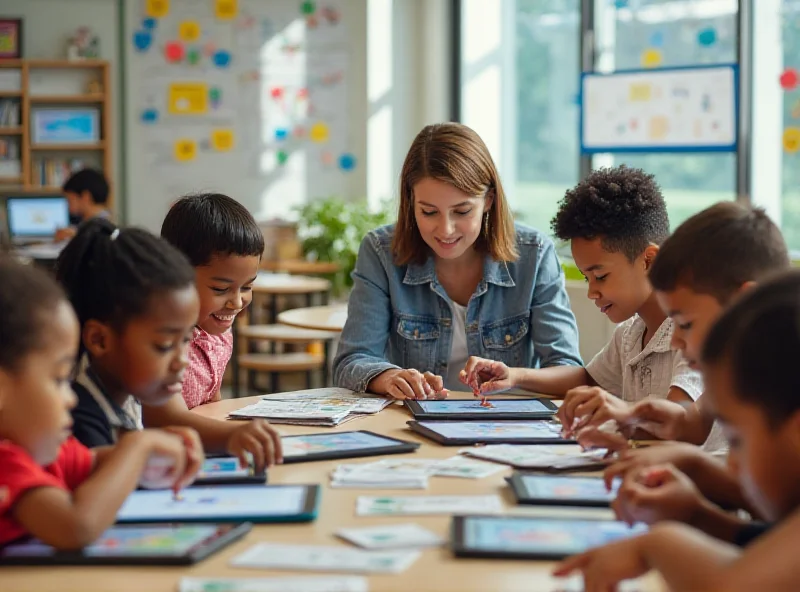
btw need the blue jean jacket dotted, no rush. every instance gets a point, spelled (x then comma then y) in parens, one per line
(400, 316)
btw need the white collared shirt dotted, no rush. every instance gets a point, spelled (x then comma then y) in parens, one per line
(125, 418)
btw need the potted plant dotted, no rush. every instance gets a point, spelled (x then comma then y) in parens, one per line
(332, 229)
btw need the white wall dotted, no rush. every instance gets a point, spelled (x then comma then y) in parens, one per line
(48, 24)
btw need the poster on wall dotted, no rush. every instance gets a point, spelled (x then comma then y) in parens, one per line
(660, 110)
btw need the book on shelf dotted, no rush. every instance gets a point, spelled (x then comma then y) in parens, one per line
(53, 172)
(9, 113)
(9, 149)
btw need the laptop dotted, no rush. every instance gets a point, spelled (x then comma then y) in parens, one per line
(34, 219)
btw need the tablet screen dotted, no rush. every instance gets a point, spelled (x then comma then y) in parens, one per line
(486, 431)
(474, 406)
(209, 503)
(546, 536)
(223, 467)
(568, 488)
(328, 443)
(119, 541)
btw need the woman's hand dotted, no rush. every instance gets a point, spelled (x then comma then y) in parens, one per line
(409, 384)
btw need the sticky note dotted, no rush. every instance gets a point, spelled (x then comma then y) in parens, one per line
(651, 58)
(142, 40)
(282, 157)
(149, 23)
(174, 51)
(657, 39)
(639, 92)
(222, 140)
(185, 150)
(307, 7)
(659, 127)
(707, 37)
(347, 162)
(226, 10)
(149, 116)
(222, 59)
(188, 98)
(791, 139)
(789, 79)
(281, 133)
(156, 8)
(318, 132)
(189, 30)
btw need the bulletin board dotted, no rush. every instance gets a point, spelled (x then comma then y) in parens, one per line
(660, 110)
(246, 97)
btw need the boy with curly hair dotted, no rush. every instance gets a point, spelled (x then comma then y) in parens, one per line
(615, 221)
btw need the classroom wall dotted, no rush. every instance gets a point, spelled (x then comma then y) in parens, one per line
(47, 25)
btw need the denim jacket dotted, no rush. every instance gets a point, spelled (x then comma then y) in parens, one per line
(400, 316)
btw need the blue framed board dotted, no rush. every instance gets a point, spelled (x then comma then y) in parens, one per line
(684, 109)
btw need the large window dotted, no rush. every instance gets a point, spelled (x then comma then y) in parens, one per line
(789, 19)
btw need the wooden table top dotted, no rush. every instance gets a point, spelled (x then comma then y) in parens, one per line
(301, 266)
(279, 283)
(322, 318)
(436, 569)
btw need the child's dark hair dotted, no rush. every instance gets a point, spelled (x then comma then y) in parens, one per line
(110, 274)
(89, 180)
(209, 224)
(758, 339)
(621, 206)
(28, 297)
(696, 256)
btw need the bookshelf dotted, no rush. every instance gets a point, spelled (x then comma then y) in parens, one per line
(69, 85)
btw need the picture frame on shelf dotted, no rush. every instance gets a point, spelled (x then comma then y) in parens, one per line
(10, 38)
(79, 125)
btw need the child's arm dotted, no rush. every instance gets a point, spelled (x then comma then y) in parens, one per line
(72, 520)
(487, 376)
(235, 437)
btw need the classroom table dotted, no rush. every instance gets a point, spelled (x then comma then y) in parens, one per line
(435, 570)
(322, 318)
(301, 266)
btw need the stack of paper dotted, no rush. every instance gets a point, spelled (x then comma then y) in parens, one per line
(397, 536)
(536, 456)
(427, 505)
(391, 473)
(316, 407)
(284, 584)
(319, 558)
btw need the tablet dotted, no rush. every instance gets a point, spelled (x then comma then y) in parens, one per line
(465, 433)
(326, 446)
(146, 544)
(225, 470)
(223, 503)
(555, 490)
(522, 537)
(471, 409)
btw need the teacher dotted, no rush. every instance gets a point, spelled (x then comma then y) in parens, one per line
(454, 277)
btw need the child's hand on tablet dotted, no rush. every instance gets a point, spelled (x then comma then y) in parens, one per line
(656, 494)
(261, 440)
(169, 464)
(593, 437)
(590, 405)
(194, 453)
(604, 567)
(659, 417)
(487, 377)
(685, 457)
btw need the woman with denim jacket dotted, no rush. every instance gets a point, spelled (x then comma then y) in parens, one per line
(453, 278)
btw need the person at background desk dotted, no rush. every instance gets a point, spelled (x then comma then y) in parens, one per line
(453, 278)
(87, 198)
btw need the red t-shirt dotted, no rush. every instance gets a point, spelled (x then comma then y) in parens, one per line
(20, 473)
(208, 357)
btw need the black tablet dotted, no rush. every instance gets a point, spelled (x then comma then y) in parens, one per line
(465, 433)
(223, 503)
(473, 410)
(332, 445)
(226, 470)
(141, 544)
(555, 490)
(523, 537)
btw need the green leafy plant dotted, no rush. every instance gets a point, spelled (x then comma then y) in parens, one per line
(331, 229)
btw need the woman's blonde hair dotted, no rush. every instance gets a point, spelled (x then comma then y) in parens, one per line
(456, 155)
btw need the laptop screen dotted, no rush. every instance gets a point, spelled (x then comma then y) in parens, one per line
(36, 216)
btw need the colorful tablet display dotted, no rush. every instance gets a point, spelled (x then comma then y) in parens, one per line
(535, 537)
(223, 503)
(568, 490)
(457, 433)
(228, 466)
(341, 445)
(456, 406)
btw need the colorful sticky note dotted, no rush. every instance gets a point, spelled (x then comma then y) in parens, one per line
(193, 57)
(299, 131)
(276, 92)
(185, 150)
(659, 127)
(282, 157)
(651, 58)
(222, 59)
(215, 95)
(307, 7)
(142, 40)
(156, 8)
(149, 116)
(209, 49)
(188, 98)
(174, 51)
(657, 39)
(281, 134)
(311, 21)
(226, 10)
(791, 139)
(639, 92)
(707, 37)
(149, 23)
(327, 158)
(347, 162)
(189, 30)
(789, 79)
(222, 140)
(319, 132)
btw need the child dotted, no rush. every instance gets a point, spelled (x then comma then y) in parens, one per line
(51, 486)
(87, 196)
(224, 244)
(615, 220)
(753, 389)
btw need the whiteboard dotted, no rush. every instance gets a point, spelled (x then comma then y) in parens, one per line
(663, 110)
(257, 99)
